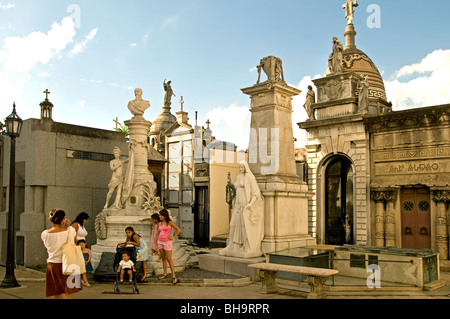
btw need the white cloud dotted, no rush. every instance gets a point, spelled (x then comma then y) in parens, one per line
(79, 47)
(169, 21)
(6, 6)
(20, 54)
(231, 124)
(421, 84)
(134, 44)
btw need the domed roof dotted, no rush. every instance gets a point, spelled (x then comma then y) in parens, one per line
(354, 60)
(162, 122)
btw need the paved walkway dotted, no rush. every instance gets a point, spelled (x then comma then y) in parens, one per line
(199, 284)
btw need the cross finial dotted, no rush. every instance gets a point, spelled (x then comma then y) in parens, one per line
(349, 10)
(47, 92)
(117, 122)
(207, 123)
(181, 103)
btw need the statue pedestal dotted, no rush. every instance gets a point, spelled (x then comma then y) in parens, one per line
(272, 161)
(285, 213)
(116, 222)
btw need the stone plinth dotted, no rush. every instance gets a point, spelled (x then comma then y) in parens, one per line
(271, 146)
(285, 213)
(140, 174)
(116, 222)
(336, 95)
(272, 161)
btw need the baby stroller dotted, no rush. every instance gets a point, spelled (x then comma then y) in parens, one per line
(126, 280)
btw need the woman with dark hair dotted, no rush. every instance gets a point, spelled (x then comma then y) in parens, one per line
(141, 248)
(78, 224)
(165, 242)
(56, 283)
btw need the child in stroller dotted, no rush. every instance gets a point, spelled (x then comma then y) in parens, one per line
(126, 265)
(124, 262)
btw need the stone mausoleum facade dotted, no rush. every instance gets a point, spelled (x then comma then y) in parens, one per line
(379, 177)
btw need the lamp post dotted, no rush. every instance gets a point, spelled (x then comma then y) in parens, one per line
(13, 125)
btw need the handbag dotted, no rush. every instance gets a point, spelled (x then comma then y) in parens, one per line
(73, 260)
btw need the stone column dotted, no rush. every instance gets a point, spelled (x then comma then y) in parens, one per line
(378, 198)
(441, 198)
(272, 161)
(384, 216)
(389, 230)
(350, 34)
(138, 127)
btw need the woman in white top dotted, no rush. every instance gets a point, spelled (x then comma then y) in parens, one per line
(58, 285)
(78, 224)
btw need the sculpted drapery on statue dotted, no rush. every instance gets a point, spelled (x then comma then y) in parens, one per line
(363, 94)
(247, 220)
(337, 56)
(309, 101)
(273, 67)
(117, 179)
(138, 106)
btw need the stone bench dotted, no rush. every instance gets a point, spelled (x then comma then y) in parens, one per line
(316, 277)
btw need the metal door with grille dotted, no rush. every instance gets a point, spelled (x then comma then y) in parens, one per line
(201, 216)
(415, 208)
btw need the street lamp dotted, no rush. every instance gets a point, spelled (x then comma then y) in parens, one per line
(13, 125)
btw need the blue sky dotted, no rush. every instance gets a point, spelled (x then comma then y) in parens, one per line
(92, 54)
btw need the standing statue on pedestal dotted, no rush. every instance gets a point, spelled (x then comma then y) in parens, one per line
(336, 56)
(273, 67)
(138, 106)
(117, 178)
(363, 94)
(309, 101)
(169, 94)
(247, 221)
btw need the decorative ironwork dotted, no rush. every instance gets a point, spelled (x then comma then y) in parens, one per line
(408, 205)
(424, 205)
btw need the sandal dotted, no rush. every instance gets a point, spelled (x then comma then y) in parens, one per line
(163, 277)
(174, 281)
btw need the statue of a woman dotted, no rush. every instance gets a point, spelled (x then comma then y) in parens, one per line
(247, 220)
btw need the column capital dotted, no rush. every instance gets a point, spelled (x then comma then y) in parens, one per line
(440, 196)
(388, 194)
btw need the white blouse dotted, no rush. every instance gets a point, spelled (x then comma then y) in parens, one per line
(81, 233)
(54, 242)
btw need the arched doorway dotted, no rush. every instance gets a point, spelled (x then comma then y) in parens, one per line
(339, 202)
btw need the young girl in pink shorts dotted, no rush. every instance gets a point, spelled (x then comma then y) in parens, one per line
(165, 243)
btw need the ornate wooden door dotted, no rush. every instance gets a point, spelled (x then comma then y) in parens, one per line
(415, 208)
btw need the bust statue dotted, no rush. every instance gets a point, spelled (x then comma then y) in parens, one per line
(138, 106)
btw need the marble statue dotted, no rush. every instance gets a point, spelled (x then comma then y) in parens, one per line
(310, 99)
(349, 10)
(169, 93)
(335, 60)
(138, 106)
(247, 220)
(273, 67)
(116, 182)
(363, 94)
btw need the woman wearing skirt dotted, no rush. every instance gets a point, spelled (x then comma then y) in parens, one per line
(58, 285)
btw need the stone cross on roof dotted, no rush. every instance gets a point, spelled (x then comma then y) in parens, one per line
(47, 92)
(349, 10)
(207, 123)
(181, 103)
